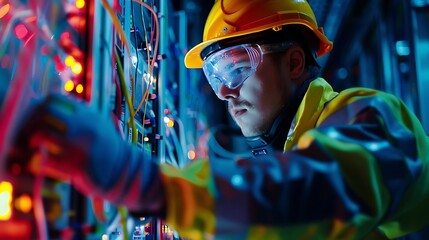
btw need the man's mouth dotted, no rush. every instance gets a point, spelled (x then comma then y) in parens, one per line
(237, 112)
(238, 108)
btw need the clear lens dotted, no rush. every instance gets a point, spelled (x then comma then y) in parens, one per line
(232, 66)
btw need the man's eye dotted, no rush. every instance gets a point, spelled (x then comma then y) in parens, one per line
(239, 70)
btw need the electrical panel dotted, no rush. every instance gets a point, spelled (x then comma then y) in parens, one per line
(125, 59)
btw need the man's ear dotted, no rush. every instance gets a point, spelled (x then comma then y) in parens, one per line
(296, 58)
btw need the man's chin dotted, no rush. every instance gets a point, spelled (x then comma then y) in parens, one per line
(248, 132)
(248, 128)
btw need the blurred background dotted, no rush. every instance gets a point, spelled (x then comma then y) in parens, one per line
(125, 59)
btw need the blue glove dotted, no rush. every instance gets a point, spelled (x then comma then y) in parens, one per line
(75, 143)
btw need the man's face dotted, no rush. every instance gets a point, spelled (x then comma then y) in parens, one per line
(255, 104)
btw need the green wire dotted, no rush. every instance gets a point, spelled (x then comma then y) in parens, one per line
(124, 215)
(128, 99)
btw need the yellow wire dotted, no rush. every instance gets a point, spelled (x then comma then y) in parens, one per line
(121, 33)
(124, 215)
(127, 97)
(151, 65)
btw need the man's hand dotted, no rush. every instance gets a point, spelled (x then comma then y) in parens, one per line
(73, 142)
(69, 141)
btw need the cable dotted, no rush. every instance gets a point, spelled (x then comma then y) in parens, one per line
(148, 44)
(124, 215)
(173, 161)
(145, 37)
(39, 212)
(117, 25)
(137, 53)
(151, 63)
(179, 148)
(155, 51)
(116, 82)
(120, 31)
(182, 141)
(128, 99)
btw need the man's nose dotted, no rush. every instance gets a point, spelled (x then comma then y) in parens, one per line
(226, 93)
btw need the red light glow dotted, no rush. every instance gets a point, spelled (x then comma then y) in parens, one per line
(65, 36)
(59, 66)
(15, 229)
(21, 31)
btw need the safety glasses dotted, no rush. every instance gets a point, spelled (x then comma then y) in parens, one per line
(233, 65)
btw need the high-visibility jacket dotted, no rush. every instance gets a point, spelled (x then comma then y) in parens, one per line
(354, 166)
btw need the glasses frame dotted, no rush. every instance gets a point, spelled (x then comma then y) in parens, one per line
(216, 81)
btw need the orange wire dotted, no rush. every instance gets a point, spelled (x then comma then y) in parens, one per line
(155, 51)
(155, 54)
(121, 33)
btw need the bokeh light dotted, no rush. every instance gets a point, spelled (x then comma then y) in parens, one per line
(79, 88)
(4, 10)
(69, 86)
(77, 68)
(6, 189)
(21, 31)
(24, 203)
(80, 4)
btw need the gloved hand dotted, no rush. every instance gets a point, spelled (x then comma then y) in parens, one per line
(73, 142)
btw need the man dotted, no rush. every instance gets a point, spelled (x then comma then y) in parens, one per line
(325, 165)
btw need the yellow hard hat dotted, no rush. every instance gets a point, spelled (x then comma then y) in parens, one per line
(234, 18)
